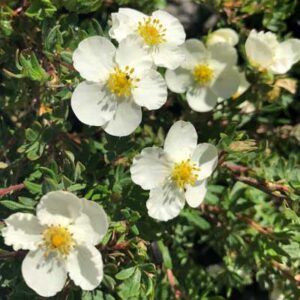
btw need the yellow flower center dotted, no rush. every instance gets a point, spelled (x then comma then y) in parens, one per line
(152, 31)
(58, 238)
(203, 74)
(121, 82)
(184, 173)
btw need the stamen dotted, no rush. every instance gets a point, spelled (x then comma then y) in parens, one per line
(203, 74)
(184, 173)
(57, 239)
(152, 31)
(121, 82)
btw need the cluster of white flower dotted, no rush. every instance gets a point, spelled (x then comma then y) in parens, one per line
(121, 81)
(61, 239)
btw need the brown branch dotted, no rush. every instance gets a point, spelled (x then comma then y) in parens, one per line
(273, 189)
(253, 224)
(286, 271)
(267, 187)
(11, 189)
(261, 229)
(171, 278)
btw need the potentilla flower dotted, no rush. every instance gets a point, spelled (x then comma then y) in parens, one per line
(119, 82)
(61, 240)
(176, 174)
(206, 75)
(267, 54)
(223, 35)
(162, 34)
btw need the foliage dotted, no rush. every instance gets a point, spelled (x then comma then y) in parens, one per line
(246, 233)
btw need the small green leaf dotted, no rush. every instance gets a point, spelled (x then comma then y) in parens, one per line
(126, 273)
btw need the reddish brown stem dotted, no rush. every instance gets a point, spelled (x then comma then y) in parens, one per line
(273, 189)
(11, 189)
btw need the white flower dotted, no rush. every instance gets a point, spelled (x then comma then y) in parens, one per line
(266, 53)
(243, 86)
(162, 34)
(175, 174)
(119, 82)
(223, 35)
(206, 74)
(61, 240)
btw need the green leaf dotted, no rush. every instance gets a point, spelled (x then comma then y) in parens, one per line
(31, 68)
(34, 188)
(130, 287)
(49, 185)
(126, 273)
(14, 205)
(194, 217)
(165, 254)
(40, 9)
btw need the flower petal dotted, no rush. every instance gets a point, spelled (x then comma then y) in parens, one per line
(151, 91)
(93, 58)
(287, 54)
(91, 226)
(194, 195)
(258, 52)
(58, 208)
(85, 267)
(165, 202)
(132, 53)
(22, 231)
(168, 56)
(92, 104)
(178, 80)
(206, 157)
(223, 35)
(127, 118)
(201, 99)
(227, 83)
(175, 33)
(150, 168)
(125, 22)
(195, 52)
(181, 141)
(224, 53)
(46, 275)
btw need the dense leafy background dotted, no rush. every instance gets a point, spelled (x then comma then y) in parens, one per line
(244, 242)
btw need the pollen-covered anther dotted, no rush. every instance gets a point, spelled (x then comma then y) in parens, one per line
(122, 82)
(152, 31)
(57, 239)
(184, 173)
(203, 74)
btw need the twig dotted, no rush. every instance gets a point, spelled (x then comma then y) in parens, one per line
(273, 189)
(261, 229)
(171, 278)
(285, 271)
(268, 231)
(268, 187)
(11, 188)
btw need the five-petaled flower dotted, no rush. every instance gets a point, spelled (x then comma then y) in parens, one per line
(206, 75)
(119, 82)
(267, 54)
(61, 240)
(175, 174)
(162, 34)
